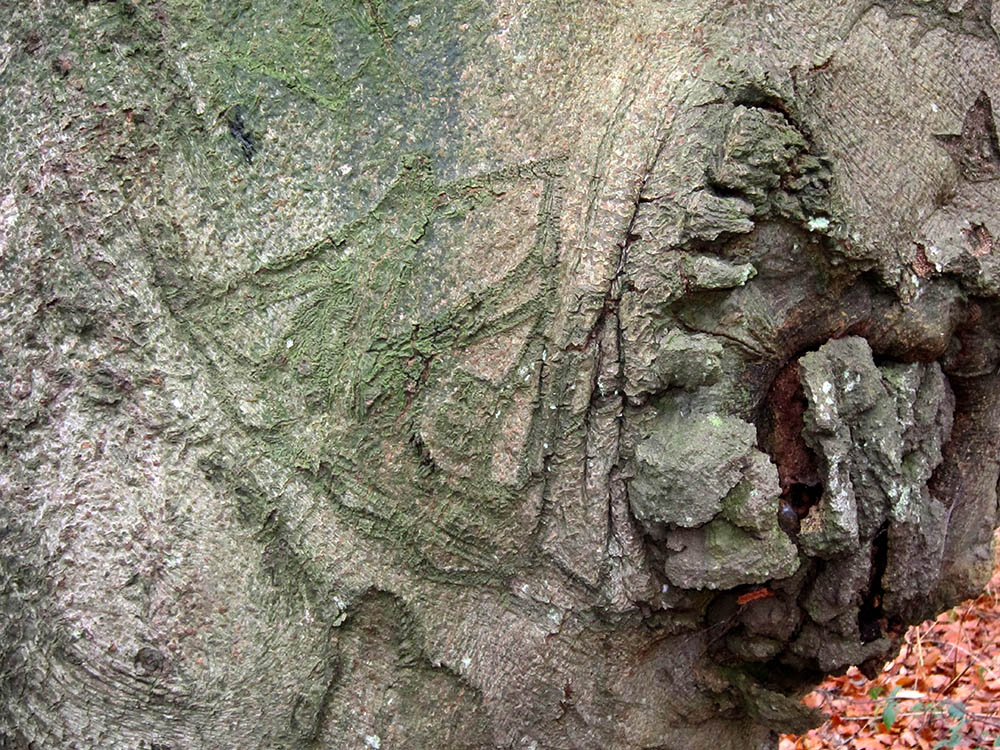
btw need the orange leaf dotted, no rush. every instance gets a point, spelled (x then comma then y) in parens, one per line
(751, 596)
(868, 743)
(938, 681)
(813, 700)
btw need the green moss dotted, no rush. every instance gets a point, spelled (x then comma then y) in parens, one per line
(687, 466)
(343, 335)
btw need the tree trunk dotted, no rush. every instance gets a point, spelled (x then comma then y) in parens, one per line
(486, 375)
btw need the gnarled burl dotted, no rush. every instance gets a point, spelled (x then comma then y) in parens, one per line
(486, 374)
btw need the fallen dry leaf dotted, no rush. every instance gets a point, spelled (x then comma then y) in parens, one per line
(946, 677)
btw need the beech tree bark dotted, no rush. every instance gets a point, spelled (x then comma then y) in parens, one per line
(513, 374)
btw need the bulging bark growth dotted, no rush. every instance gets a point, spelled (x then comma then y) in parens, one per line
(391, 375)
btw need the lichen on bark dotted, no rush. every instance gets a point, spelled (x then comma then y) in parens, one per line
(389, 374)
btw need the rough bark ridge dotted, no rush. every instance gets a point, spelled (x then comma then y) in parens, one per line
(498, 375)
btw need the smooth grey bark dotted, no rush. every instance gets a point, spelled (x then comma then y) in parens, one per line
(498, 375)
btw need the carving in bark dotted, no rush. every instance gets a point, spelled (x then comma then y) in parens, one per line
(498, 375)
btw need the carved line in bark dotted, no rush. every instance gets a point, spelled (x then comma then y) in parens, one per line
(608, 379)
(481, 315)
(976, 150)
(973, 17)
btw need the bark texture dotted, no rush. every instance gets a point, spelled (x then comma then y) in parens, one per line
(514, 374)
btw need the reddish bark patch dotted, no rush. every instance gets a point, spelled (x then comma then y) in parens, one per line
(979, 239)
(796, 463)
(921, 265)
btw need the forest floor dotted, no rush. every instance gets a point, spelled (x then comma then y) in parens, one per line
(941, 691)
